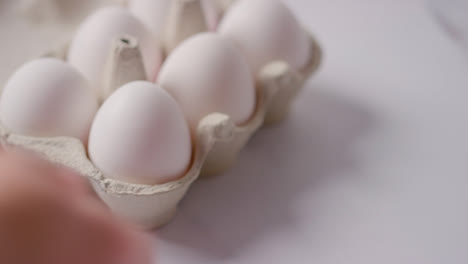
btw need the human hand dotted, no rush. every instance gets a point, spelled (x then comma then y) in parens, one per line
(48, 215)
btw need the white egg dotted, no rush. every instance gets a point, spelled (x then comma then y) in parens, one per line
(140, 136)
(47, 98)
(151, 12)
(265, 31)
(207, 74)
(90, 48)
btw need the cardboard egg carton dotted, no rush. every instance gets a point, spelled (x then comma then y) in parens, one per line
(217, 142)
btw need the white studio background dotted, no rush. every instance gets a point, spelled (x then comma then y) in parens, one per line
(371, 167)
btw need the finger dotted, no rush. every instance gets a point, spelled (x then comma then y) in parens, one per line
(30, 166)
(134, 247)
(120, 242)
(141, 249)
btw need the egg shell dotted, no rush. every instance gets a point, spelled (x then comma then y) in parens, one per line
(91, 47)
(207, 74)
(47, 97)
(139, 135)
(153, 13)
(266, 31)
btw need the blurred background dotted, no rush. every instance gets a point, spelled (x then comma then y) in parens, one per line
(372, 164)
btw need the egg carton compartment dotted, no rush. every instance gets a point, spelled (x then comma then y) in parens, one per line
(217, 141)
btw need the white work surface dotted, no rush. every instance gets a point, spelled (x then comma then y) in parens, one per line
(370, 168)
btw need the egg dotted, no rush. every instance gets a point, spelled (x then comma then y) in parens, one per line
(139, 135)
(151, 12)
(48, 98)
(265, 31)
(207, 74)
(90, 48)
